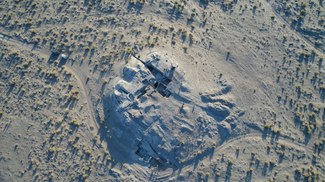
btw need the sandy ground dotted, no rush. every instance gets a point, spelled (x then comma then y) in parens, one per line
(245, 103)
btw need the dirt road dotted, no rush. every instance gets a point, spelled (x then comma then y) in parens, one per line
(73, 69)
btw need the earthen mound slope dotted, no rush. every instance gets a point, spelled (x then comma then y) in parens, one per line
(158, 120)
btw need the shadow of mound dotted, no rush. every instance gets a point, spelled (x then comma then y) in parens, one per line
(124, 146)
(107, 132)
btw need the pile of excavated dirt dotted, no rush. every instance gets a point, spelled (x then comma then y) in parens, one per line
(157, 120)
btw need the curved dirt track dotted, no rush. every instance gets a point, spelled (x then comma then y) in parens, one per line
(158, 175)
(250, 136)
(310, 43)
(258, 136)
(70, 68)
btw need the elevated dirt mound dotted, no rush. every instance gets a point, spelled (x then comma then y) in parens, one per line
(158, 120)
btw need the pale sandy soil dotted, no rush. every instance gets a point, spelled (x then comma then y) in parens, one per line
(246, 103)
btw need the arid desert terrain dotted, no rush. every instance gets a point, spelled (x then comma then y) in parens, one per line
(162, 90)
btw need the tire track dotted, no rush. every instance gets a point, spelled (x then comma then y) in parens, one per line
(211, 151)
(46, 53)
(310, 43)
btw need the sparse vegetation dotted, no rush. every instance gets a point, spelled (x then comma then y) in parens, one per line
(59, 59)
